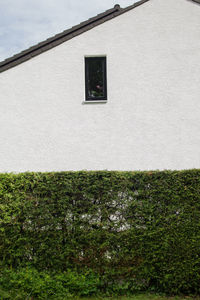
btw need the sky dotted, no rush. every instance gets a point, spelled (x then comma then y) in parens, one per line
(24, 23)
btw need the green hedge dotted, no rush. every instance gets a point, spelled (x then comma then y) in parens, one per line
(133, 230)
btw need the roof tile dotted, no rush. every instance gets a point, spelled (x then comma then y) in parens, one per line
(66, 35)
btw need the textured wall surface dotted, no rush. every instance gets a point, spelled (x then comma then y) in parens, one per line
(151, 119)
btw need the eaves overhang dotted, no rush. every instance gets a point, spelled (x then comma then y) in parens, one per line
(65, 36)
(197, 1)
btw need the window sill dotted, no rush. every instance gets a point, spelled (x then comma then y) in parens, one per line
(95, 102)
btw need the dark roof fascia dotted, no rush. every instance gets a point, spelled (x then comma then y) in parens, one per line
(197, 1)
(65, 36)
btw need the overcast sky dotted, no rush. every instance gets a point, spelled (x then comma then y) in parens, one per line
(24, 23)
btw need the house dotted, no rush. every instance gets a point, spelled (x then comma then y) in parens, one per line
(120, 91)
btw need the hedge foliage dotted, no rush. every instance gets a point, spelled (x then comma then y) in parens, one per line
(132, 230)
(28, 283)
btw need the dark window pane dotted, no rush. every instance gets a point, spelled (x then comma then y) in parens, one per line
(95, 78)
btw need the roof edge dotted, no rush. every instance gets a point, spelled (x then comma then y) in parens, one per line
(197, 1)
(66, 35)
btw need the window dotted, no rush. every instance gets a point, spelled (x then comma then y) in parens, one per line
(95, 78)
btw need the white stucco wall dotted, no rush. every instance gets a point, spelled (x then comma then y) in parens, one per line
(151, 119)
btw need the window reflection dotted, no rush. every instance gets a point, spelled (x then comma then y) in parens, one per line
(95, 78)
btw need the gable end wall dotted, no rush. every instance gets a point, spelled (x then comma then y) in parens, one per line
(151, 118)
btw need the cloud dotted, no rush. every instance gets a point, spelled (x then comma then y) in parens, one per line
(24, 23)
